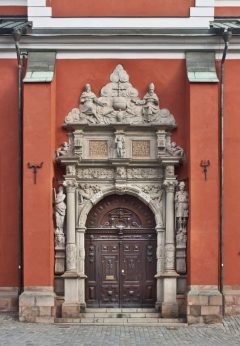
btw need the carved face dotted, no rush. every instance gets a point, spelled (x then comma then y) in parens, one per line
(181, 186)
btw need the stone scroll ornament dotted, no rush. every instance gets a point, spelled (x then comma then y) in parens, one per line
(119, 103)
(60, 213)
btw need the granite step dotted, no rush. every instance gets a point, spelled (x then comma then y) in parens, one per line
(121, 316)
(133, 321)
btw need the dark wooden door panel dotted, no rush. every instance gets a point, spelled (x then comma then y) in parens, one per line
(120, 254)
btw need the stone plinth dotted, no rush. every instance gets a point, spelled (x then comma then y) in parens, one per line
(204, 306)
(37, 305)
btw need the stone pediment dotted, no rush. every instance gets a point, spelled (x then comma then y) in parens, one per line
(119, 103)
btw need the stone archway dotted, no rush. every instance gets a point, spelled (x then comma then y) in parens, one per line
(120, 263)
(123, 146)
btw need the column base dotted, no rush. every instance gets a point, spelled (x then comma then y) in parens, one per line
(169, 310)
(204, 305)
(37, 304)
(71, 310)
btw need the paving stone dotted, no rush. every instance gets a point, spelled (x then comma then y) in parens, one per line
(14, 333)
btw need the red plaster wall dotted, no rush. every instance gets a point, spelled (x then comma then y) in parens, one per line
(13, 11)
(39, 140)
(203, 239)
(8, 174)
(232, 173)
(122, 8)
(169, 77)
(227, 11)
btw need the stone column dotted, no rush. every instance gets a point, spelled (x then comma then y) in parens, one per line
(81, 265)
(71, 306)
(71, 186)
(160, 264)
(170, 306)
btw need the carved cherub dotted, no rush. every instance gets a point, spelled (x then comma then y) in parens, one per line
(63, 150)
(175, 150)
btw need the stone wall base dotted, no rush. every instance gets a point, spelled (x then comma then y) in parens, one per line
(232, 300)
(8, 299)
(37, 305)
(204, 306)
(70, 310)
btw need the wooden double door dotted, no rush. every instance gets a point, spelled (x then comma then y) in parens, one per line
(121, 258)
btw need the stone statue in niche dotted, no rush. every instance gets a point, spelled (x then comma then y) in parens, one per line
(120, 145)
(181, 214)
(60, 212)
(119, 103)
(63, 150)
(175, 150)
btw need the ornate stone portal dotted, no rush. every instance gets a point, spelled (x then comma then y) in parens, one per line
(120, 144)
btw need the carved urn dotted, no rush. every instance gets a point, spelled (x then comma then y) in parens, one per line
(119, 103)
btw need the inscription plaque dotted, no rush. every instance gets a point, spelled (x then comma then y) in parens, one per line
(98, 149)
(141, 148)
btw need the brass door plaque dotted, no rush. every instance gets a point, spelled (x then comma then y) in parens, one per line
(110, 277)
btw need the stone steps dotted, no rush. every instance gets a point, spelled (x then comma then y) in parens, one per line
(121, 316)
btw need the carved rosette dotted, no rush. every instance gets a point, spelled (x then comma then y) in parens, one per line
(71, 257)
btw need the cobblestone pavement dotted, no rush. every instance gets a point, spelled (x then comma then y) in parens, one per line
(14, 333)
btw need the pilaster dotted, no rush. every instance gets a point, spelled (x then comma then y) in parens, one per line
(204, 300)
(37, 301)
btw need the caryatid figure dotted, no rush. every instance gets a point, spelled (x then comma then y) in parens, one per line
(181, 206)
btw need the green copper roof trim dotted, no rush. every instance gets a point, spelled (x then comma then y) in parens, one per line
(41, 66)
(201, 67)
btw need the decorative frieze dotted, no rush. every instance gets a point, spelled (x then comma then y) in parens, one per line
(144, 173)
(95, 173)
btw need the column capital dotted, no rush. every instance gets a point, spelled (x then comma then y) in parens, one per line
(170, 185)
(70, 185)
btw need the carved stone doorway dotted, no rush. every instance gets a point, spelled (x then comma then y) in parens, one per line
(120, 245)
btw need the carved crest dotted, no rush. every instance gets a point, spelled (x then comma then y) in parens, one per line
(119, 103)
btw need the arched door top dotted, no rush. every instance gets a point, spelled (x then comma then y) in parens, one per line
(116, 211)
